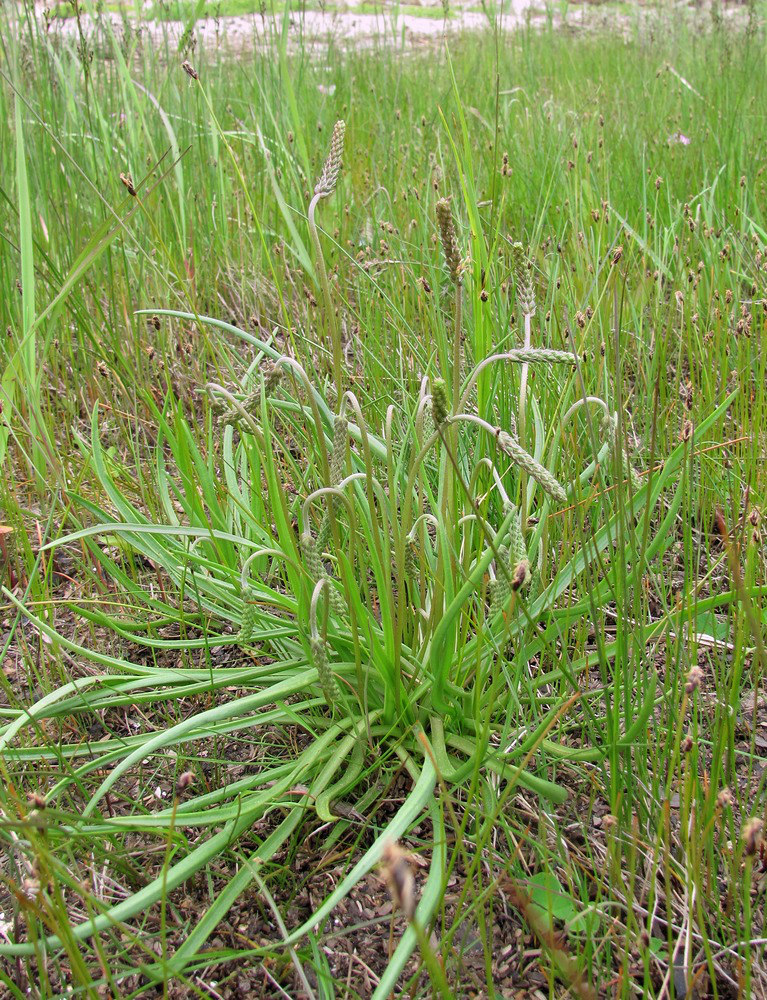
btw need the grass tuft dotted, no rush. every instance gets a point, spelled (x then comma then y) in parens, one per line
(429, 547)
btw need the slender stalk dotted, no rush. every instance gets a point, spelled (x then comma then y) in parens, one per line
(543, 355)
(458, 319)
(523, 384)
(325, 186)
(452, 253)
(526, 298)
(330, 316)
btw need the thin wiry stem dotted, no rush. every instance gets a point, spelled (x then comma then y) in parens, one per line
(523, 421)
(457, 347)
(325, 186)
(518, 355)
(335, 337)
(522, 458)
(526, 298)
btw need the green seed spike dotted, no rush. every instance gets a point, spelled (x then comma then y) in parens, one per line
(249, 614)
(311, 556)
(338, 452)
(328, 682)
(337, 603)
(518, 549)
(272, 376)
(534, 469)
(499, 588)
(440, 406)
(498, 593)
(411, 561)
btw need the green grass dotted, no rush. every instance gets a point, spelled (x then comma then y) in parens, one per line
(306, 606)
(192, 10)
(170, 10)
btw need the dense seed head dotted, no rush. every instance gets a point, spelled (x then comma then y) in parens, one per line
(522, 272)
(328, 682)
(694, 679)
(449, 239)
(533, 468)
(338, 452)
(185, 780)
(272, 376)
(326, 185)
(498, 592)
(249, 615)
(517, 548)
(397, 873)
(338, 604)
(312, 557)
(235, 414)
(411, 561)
(725, 799)
(440, 407)
(752, 836)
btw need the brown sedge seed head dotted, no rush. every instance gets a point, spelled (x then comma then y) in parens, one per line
(127, 181)
(694, 679)
(397, 873)
(752, 836)
(449, 239)
(724, 799)
(184, 781)
(521, 575)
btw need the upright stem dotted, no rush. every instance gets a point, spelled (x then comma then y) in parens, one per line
(523, 422)
(330, 312)
(457, 348)
(449, 498)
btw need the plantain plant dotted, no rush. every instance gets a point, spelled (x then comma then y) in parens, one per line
(396, 587)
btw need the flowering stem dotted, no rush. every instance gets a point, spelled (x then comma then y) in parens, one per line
(325, 284)
(523, 423)
(457, 348)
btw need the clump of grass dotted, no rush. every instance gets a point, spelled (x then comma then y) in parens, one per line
(501, 594)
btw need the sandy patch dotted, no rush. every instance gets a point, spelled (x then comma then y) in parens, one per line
(312, 26)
